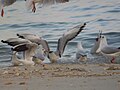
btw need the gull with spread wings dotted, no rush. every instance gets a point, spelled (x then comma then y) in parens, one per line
(62, 42)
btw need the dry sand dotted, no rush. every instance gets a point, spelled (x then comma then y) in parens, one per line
(61, 77)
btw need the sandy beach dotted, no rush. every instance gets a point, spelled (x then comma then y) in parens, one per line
(61, 77)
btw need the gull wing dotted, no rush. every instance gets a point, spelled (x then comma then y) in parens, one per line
(32, 37)
(45, 45)
(15, 41)
(31, 51)
(20, 47)
(69, 35)
(110, 50)
(27, 48)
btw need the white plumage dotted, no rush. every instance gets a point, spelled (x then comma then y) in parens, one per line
(108, 50)
(29, 51)
(95, 49)
(31, 3)
(81, 53)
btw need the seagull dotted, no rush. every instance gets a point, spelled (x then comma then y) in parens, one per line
(81, 54)
(95, 49)
(31, 3)
(62, 42)
(4, 3)
(108, 50)
(29, 52)
(39, 53)
(13, 42)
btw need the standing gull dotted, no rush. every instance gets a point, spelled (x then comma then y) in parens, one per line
(109, 50)
(81, 54)
(31, 3)
(95, 49)
(62, 42)
(29, 52)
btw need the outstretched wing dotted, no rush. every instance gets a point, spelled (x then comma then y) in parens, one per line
(27, 48)
(45, 45)
(32, 37)
(69, 35)
(20, 47)
(15, 41)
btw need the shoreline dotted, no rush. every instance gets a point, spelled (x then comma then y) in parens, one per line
(61, 76)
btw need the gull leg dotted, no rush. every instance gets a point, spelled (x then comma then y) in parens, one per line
(2, 12)
(113, 60)
(34, 8)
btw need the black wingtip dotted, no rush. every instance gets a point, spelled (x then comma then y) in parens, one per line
(17, 34)
(3, 41)
(83, 25)
(20, 36)
(12, 49)
(118, 47)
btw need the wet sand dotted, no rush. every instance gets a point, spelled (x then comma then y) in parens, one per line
(61, 77)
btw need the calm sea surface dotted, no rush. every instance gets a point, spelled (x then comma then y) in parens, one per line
(52, 21)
